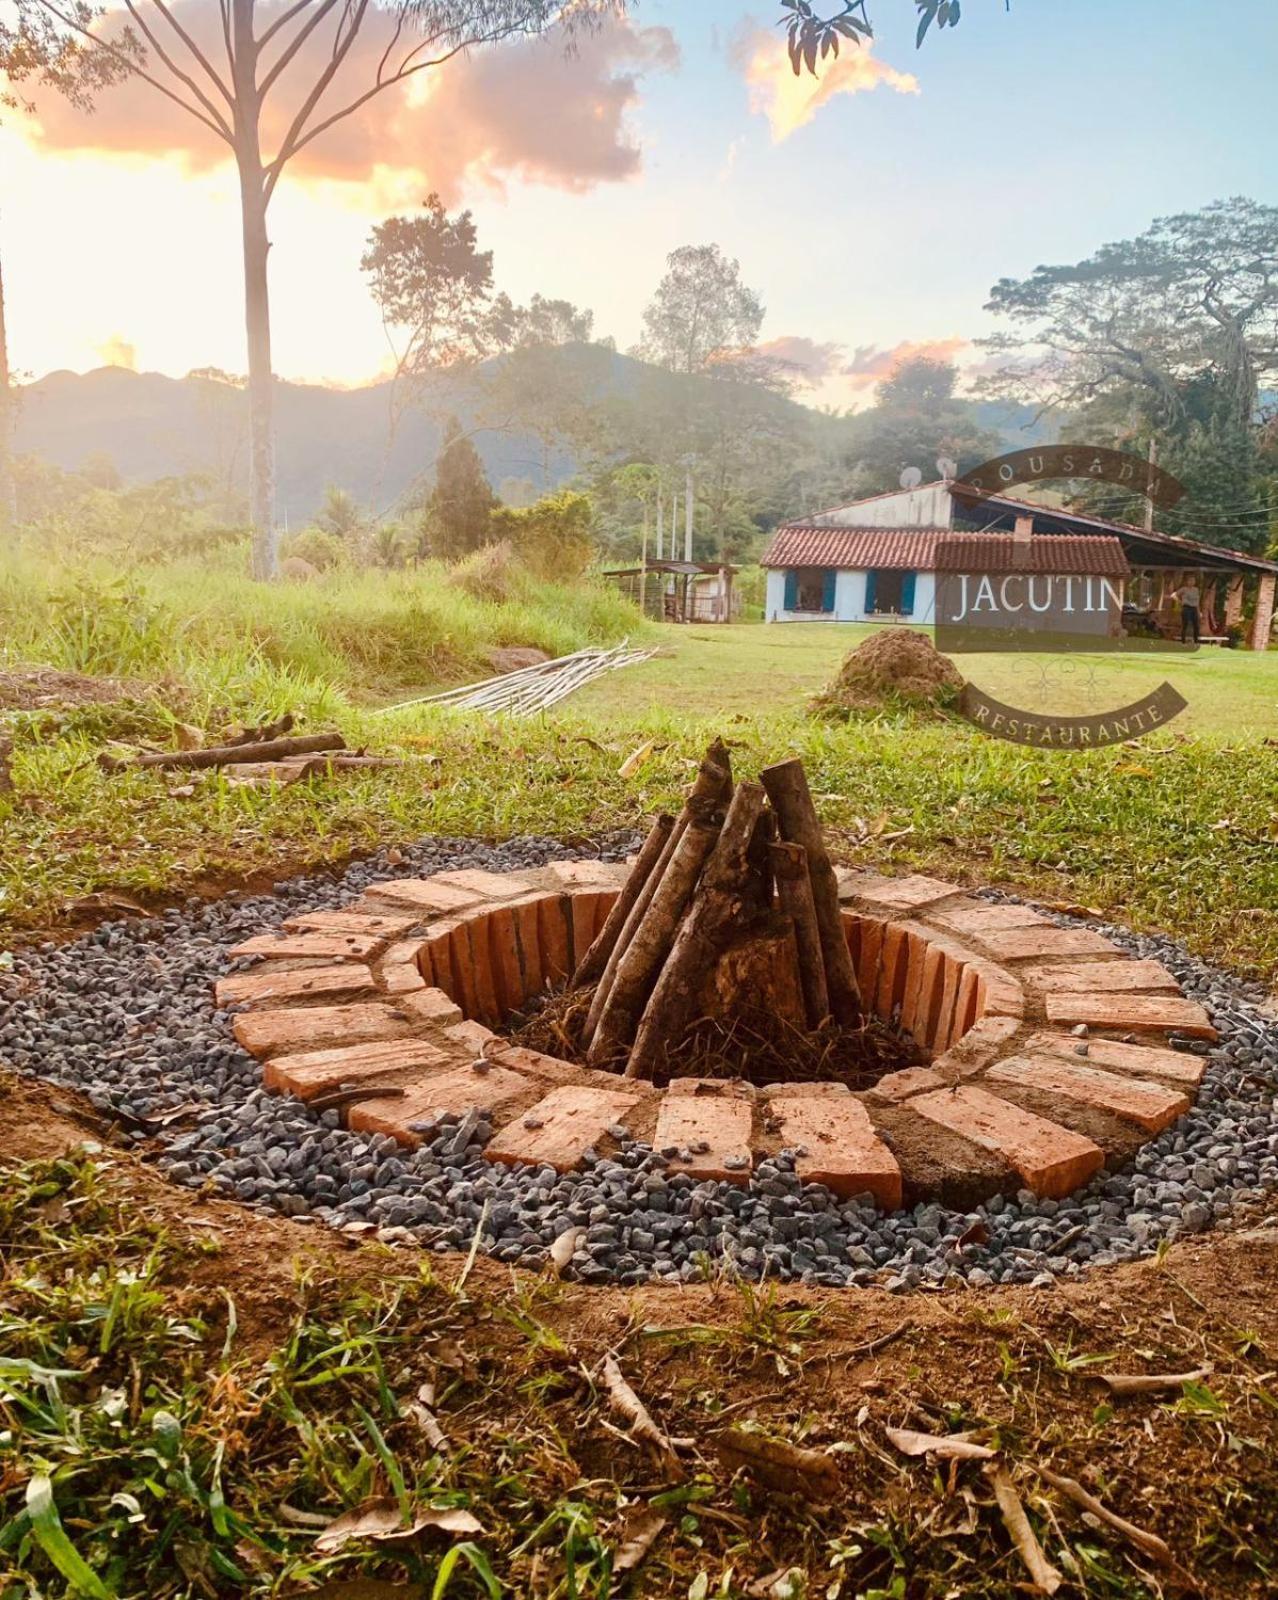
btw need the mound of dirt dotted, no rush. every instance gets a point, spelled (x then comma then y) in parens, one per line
(895, 668)
(47, 688)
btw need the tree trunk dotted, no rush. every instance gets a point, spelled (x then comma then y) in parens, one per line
(591, 967)
(700, 941)
(257, 320)
(794, 892)
(787, 787)
(257, 305)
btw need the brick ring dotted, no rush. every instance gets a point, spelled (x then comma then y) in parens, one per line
(1047, 1048)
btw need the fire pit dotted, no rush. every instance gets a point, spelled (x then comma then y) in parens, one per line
(1037, 1053)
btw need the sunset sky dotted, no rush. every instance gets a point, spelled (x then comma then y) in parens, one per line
(872, 209)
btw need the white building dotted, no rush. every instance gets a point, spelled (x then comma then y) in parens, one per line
(875, 560)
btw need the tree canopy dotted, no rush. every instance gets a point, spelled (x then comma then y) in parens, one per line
(701, 310)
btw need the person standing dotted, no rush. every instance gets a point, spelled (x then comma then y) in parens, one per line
(1190, 598)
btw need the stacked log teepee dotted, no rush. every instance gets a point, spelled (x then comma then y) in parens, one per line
(741, 865)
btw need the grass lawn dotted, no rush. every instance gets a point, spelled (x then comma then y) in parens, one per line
(759, 669)
(1178, 832)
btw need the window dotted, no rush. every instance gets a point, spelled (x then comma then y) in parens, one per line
(889, 592)
(810, 589)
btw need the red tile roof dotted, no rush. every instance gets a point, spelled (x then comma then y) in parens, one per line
(804, 544)
(1093, 555)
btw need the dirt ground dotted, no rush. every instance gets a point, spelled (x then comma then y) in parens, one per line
(1019, 1369)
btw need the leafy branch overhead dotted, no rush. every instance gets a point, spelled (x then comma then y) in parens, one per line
(812, 35)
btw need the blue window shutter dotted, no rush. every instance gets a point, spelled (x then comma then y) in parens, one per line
(870, 586)
(907, 593)
(791, 591)
(827, 593)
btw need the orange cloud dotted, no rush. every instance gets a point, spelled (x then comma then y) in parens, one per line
(810, 359)
(791, 102)
(524, 110)
(869, 365)
(116, 351)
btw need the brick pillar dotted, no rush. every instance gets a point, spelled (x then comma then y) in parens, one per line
(1263, 619)
(1234, 600)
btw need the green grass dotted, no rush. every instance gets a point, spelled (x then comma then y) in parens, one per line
(1177, 833)
(186, 1402)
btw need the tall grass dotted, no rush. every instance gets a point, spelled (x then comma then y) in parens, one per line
(226, 641)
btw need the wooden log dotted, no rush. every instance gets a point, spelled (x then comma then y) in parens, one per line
(723, 903)
(794, 893)
(787, 787)
(648, 949)
(221, 755)
(591, 966)
(712, 787)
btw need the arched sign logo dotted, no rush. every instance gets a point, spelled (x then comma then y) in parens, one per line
(1049, 593)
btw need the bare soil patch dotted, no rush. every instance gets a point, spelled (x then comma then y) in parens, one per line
(51, 689)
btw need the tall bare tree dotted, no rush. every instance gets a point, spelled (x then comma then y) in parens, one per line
(296, 49)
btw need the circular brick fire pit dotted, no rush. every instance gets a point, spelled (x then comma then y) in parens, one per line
(1048, 1050)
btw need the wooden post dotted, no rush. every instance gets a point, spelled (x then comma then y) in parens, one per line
(701, 939)
(648, 949)
(787, 787)
(712, 788)
(794, 891)
(591, 966)
(1263, 618)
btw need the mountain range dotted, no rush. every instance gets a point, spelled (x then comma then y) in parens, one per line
(153, 426)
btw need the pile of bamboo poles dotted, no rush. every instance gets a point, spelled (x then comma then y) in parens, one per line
(735, 860)
(530, 690)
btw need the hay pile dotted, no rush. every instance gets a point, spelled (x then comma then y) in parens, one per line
(896, 669)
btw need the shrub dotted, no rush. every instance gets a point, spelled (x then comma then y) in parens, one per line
(323, 550)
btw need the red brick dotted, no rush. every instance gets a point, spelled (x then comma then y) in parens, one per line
(584, 874)
(404, 952)
(904, 894)
(931, 985)
(980, 1045)
(401, 980)
(867, 971)
(898, 1086)
(693, 1112)
(436, 959)
(550, 1068)
(916, 997)
(1151, 1106)
(425, 894)
(589, 907)
(489, 885)
(1135, 1012)
(470, 1035)
(570, 1120)
(965, 1006)
(893, 966)
(455, 951)
(305, 946)
(998, 992)
(503, 950)
(475, 934)
(316, 1072)
(528, 936)
(978, 917)
(553, 925)
(952, 967)
(844, 1152)
(384, 925)
(274, 1033)
(1103, 977)
(256, 989)
(1023, 944)
(430, 1006)
(1052, 1161)
(804, 1091)
(1142, 1060)
(459, 1089)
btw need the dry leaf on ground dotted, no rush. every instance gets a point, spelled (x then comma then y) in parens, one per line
(951, 1447)
(1043, 1575)
(380, 1520)
(778, 1464)
(1129, 1383)
(640, 1531)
